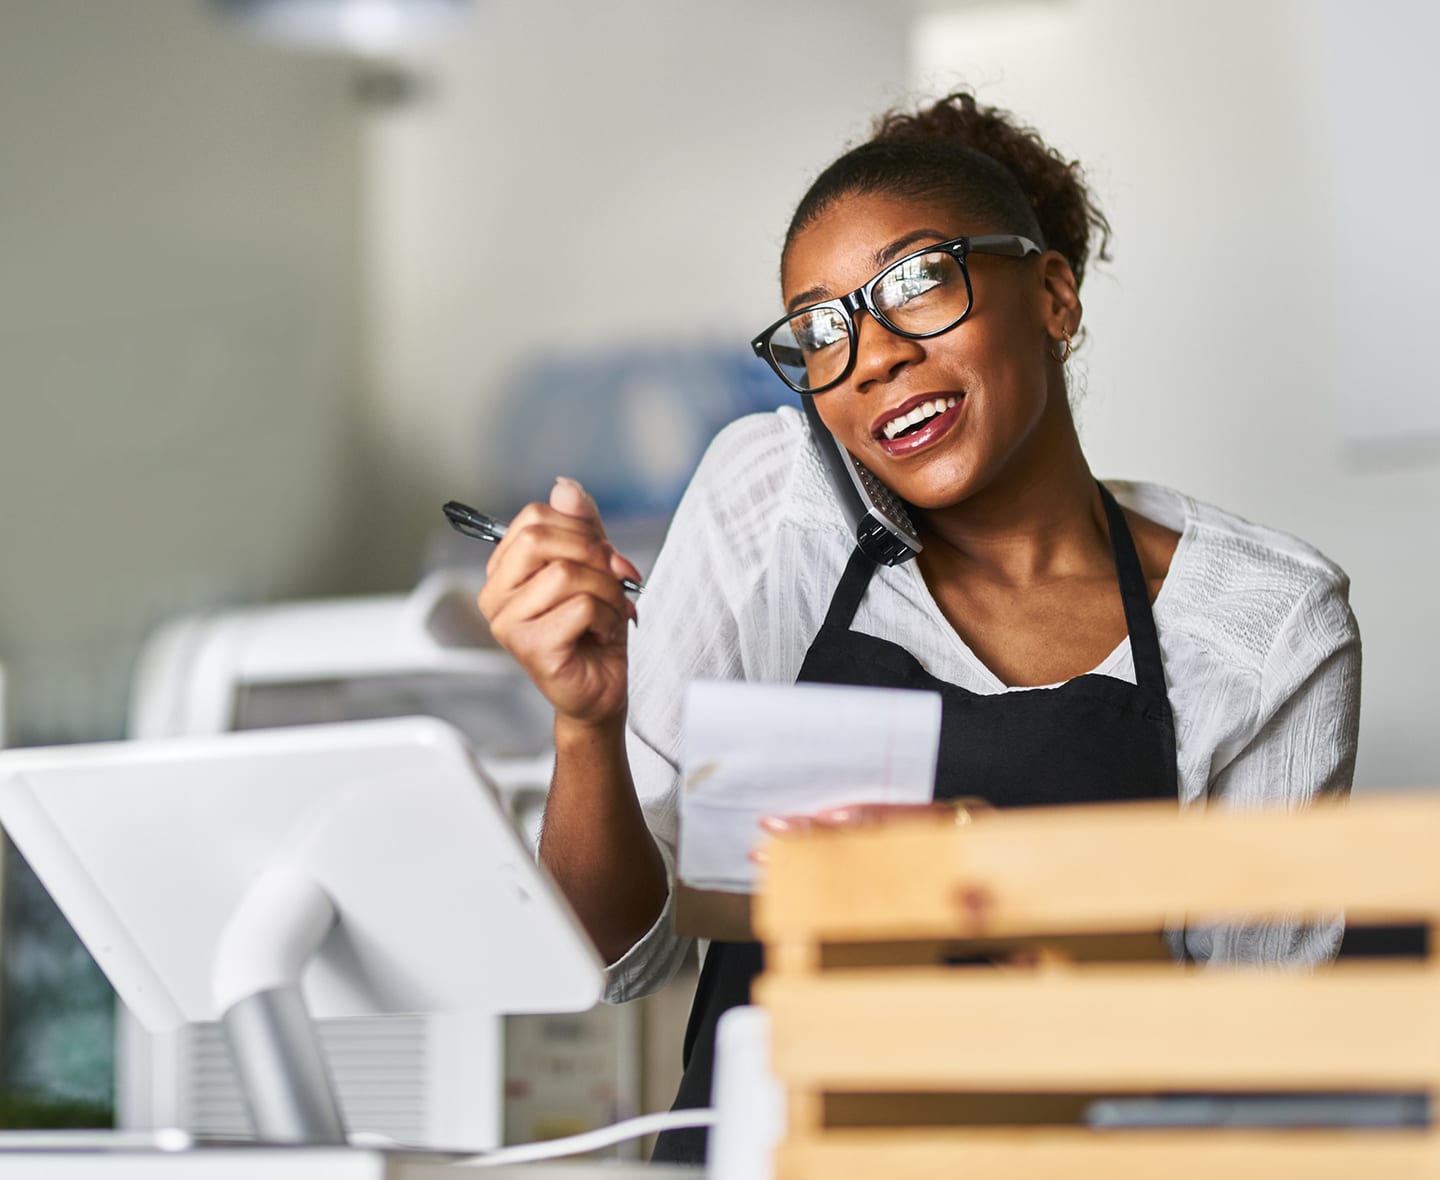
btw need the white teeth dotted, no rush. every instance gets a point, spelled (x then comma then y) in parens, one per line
(916, 416)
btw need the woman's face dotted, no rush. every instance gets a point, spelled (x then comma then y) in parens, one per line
(991, 376)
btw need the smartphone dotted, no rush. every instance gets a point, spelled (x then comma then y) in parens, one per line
(883, 528)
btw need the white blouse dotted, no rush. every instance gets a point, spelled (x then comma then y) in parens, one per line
(1261, 652)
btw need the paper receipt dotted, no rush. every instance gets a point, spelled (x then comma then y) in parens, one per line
(753, 750)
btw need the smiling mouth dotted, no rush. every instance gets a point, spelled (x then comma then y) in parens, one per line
(908, 423)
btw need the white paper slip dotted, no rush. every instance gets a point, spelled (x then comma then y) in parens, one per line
(753, 750)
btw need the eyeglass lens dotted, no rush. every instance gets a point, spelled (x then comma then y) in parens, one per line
(920, 295)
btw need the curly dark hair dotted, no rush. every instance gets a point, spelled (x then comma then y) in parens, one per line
(979, 159)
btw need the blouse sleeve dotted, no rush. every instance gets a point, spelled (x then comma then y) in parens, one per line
(1303, 749)
(690, 628)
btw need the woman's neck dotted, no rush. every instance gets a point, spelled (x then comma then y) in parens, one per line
(1042, 519)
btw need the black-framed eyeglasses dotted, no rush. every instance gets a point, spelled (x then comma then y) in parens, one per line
(923, 294)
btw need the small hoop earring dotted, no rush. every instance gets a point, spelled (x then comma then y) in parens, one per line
(1069, 346)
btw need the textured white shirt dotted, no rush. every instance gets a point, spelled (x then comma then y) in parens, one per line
(1261, 652)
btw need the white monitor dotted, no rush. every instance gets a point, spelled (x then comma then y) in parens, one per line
(150, 849)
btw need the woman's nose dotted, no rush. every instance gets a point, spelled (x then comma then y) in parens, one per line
(880, 354)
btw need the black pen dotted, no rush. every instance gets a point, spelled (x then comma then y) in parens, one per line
(464, 519)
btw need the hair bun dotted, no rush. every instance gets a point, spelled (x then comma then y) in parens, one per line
(1055, 187)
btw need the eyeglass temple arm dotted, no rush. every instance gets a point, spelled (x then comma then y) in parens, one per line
(1012, 245)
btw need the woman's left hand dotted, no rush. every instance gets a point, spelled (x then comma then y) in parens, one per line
(952, 811)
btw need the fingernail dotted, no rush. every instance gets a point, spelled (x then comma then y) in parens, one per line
(571, 483)
(840, 815)
(774, 823)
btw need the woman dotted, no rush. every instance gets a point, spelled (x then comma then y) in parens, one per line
(1090, 642)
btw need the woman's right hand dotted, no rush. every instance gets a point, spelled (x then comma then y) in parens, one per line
(553, 599)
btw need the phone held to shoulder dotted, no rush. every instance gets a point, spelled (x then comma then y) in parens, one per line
(883, 528)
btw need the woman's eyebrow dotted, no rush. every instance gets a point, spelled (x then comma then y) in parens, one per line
(809, 295)
(902, 245)
(886, 253)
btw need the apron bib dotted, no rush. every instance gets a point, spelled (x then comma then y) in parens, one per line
(1093, 739)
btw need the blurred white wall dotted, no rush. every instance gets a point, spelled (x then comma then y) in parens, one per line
(1215, 339)
(179, 269)
(574, 175)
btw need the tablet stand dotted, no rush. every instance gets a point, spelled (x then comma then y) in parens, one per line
(275, 931)
(282, 1069)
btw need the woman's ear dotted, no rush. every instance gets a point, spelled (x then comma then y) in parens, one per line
(1061, 307)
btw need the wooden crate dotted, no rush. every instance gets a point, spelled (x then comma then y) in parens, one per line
(900, 1064)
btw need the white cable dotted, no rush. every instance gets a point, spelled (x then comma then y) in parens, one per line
(645, 1124)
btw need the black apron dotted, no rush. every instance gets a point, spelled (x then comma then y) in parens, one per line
(1093, 739)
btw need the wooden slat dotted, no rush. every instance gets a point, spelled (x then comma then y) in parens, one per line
(1363, 1025)
(1087, 1155)
(1110, 867)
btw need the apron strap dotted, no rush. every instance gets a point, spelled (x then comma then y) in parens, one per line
(1135, 597)
(850, 590)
